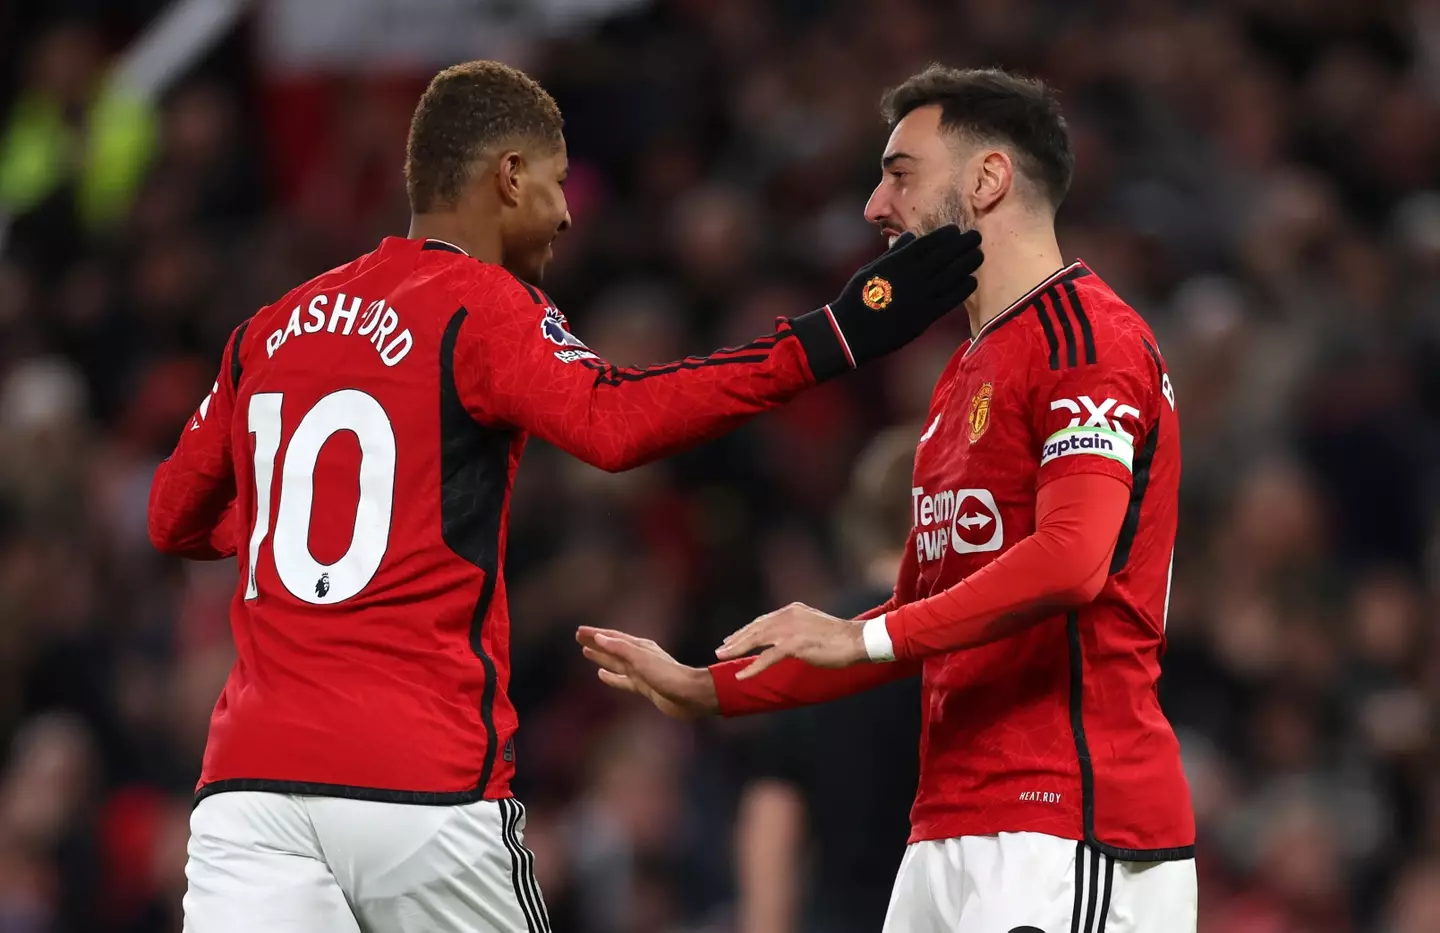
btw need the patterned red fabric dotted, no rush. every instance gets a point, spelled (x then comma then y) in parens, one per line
(1064, 563)
(1057, 728)
(367, 429)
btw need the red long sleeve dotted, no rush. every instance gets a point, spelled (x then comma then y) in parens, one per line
(516, 363)
(191, 511)
(1064, 563)
(792, 683)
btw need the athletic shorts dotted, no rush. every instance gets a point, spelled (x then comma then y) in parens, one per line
(292, 864)
(1033, 883)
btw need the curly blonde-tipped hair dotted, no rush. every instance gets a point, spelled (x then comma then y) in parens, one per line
(467, 110)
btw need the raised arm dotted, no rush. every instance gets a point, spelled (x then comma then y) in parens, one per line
(516, 362)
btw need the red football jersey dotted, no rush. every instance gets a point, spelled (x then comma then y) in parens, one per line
(365, 431)
(1056, 729)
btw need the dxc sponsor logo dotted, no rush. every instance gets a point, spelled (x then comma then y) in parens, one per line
(1097, 416)
(965, 521)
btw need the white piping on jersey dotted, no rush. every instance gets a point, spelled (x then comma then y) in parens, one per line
(436, 239)
(1022, 300)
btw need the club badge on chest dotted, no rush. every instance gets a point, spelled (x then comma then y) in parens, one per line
(979, 417)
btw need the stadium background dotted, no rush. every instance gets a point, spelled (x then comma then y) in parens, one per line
(1260, 178)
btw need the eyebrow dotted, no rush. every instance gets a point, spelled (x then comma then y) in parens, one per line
(894, 157)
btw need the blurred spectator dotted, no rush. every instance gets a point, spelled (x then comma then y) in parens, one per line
(802, 814)
(1261, 179)
(73, 146)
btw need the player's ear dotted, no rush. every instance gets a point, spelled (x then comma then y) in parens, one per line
(993, 179)
(509, 170)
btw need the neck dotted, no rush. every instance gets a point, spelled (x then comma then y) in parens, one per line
(483, 245)
(1017, 258)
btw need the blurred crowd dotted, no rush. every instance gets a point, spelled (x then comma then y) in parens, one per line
(1260, 178)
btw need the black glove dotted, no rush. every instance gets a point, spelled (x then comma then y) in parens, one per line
(891, 301)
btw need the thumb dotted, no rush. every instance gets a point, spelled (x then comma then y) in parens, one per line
(904, 239)
(618, 681)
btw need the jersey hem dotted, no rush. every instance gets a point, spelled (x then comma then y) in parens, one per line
(348, 791)
(1119, 853)
(1176, 854)
(1087, 771)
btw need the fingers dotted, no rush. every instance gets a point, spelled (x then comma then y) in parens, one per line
(746, 629)
(606, 660)
(752, 636)
(943, 274)
(586, 634)
(943, 246)
(969, 241)
(618, 681)
(955, 282)
(763, 661)
(615, 642)
(969, 260)
(749, 630)
(940, 240)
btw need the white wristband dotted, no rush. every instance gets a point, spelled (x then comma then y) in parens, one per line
(877, 640)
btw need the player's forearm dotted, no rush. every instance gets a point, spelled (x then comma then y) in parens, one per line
(791, 683)
(1063, 564)
(635, 416)
(190, 514)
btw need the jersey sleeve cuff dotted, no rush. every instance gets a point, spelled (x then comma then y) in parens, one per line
(729, 693)
(823, 344)
(878, 646)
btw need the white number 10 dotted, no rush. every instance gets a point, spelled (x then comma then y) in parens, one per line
(305, 577)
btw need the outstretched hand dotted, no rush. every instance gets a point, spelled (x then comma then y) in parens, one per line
(640, 666)
(800, 632)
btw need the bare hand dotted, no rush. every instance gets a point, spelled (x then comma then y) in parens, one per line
(640, 666)
(800, 632)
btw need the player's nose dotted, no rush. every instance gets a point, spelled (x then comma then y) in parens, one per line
(564, 222)
(877, 209)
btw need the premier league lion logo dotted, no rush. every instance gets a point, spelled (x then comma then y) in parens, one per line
(552, 325)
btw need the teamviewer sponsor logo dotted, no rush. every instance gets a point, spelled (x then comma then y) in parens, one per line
(1099, 442)
(962, 521)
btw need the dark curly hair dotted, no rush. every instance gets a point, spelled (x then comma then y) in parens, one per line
(466, 110)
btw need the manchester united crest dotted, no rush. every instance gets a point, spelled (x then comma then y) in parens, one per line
(980, 411)
(876, 294)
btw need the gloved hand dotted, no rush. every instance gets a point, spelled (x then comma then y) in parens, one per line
(891, 301)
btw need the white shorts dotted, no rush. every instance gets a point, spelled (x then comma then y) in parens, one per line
(1033, 883)
(289, 864)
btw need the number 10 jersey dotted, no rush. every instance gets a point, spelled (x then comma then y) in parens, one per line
(357, 454)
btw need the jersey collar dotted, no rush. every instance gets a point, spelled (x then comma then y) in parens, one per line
(433, 243)
(1075, 270)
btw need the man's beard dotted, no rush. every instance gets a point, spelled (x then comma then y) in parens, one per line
(950, 210)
